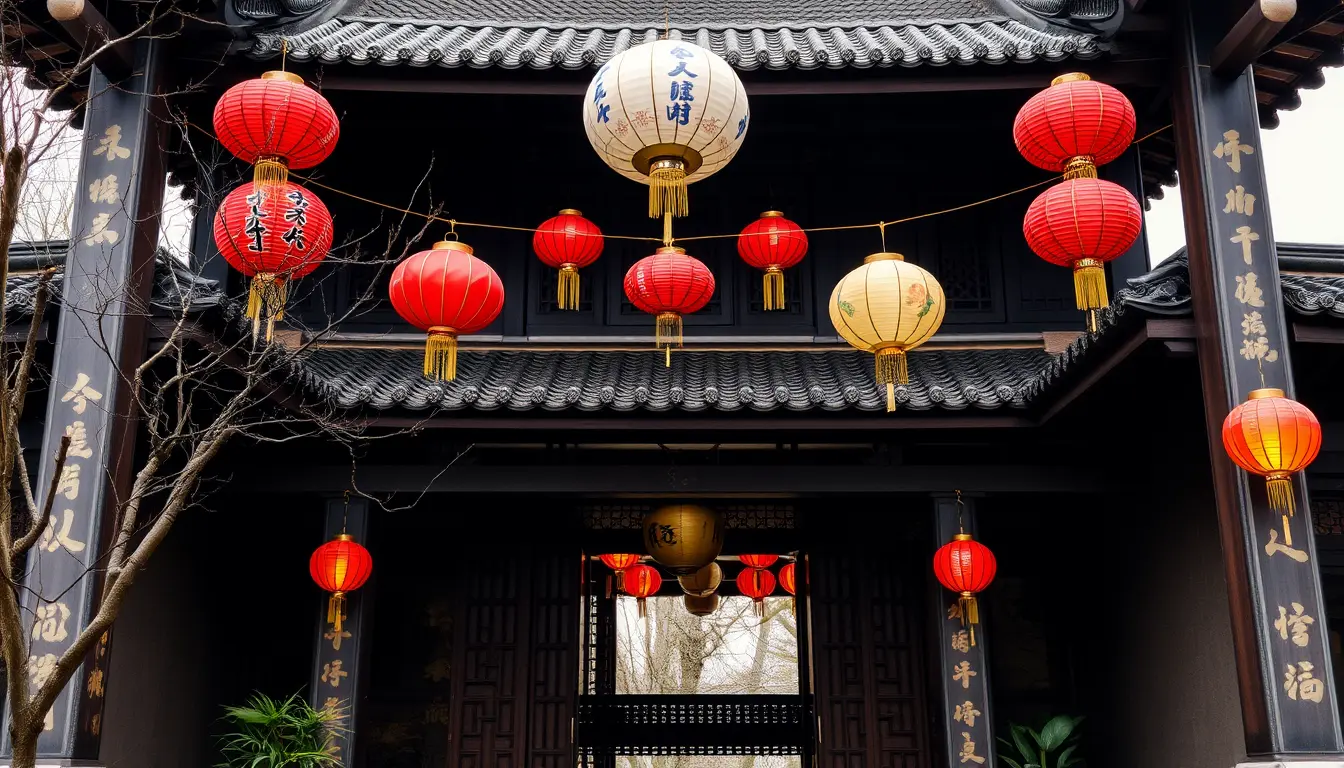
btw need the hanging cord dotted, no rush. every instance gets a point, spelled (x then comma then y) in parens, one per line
(345, 513)
(961, 508)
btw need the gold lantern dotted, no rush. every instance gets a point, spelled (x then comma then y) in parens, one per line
(683, 538)
(701, 606)
(703, 582)
(888, 307)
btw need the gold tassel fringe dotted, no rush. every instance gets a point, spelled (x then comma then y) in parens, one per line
(773, 289)
(270, 172)
(620, 581)
(668, 334)
(1280, 494)
(1089, 284)
(667, 190)
(970, 612)
(266, 302)
(760, 608)
(643, 609)
(567, 288)
(1081, 167)
(891, 370)
(336, 610)
(441, 354)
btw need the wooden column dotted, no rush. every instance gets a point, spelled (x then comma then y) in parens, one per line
(340, 663)
(1287, 690)
(108, 275)
(968, 727)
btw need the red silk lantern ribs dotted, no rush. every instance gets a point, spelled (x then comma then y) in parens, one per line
(642, 581)
(445, 291)
(1074, 125)
(277, 123)
(1274, 437)
(788, 578)
(758, 561)
(619, 563)
(567, 242)
(757, 584)
(1083, 223)
(272, 234)
(967, 567)
(669, 284)
(774, 244)
(340, 566)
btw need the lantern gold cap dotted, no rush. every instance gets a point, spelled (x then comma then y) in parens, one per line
(288, 77)
(345, 537)
(772, 215)
(1070, 77)
(671, 249)
(570, 212)
(962, 537)
(452, 245)
(1258, 394)
(883, 256)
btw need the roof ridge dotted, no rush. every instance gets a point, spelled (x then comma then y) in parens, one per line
(638, 29)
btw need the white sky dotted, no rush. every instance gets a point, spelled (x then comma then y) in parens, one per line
(1300, 163)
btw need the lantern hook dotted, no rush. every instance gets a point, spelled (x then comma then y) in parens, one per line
(452, 230)
(882, 232)
(960, 508)
(345, 512)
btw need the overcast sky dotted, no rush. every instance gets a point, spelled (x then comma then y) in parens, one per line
(1301, 162)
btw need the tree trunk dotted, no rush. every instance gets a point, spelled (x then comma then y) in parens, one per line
(25, 749)
(756, 676)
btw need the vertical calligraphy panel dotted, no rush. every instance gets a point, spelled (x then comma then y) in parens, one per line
(108, 274)
(1287, 691)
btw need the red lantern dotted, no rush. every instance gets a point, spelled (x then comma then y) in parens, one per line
(1272, 436)
(567, 242)
(642, 581)
(1074, 125)
(758, 561)
(966, 567)
(772, 243)
(619, 563)
(340, 566)
(278, 123)
(1084, 223)
(757, 584)
(446, 291)
(669, 284)
(272, 234)
(788, 578)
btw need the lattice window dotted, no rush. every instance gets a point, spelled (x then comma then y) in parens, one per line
(546, 296)
(1327, 515)
(966, 282)
(794, 286)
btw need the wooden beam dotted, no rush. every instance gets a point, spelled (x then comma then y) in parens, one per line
(1317, 334)
(89, 29)
(1251, 35)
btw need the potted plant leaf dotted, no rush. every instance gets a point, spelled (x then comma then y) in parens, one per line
(289, 733)
(1051, 747)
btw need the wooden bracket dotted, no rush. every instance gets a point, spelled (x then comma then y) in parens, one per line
(1251, 34)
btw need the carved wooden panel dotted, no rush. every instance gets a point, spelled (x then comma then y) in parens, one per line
(554, 661)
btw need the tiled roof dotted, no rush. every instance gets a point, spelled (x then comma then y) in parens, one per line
(173, 283)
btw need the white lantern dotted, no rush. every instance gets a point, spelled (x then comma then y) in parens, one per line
(666, 114)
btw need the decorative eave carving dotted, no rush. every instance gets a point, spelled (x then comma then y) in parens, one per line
(249, 17)
(1099, 17)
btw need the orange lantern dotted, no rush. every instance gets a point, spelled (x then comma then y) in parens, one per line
(641, 581)
(788, 578)
(758, 561)
(1273, 436)
(619, 564)
(757, 584)
(340, 566)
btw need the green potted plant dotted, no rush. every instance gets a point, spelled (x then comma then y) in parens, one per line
(1052, 747)
(270, 733)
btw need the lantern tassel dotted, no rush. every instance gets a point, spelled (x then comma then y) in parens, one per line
(441, 353)
(891, 370)
(270, 172)
(620, 581)
(336, 611)
(1081, 167)
(667, 189)
(567, 289)
(970, 612)
(1280, 487)
(760, 607)
(643, 609)
(266, 302)
(773, 289)
(668, 334)
(1089, 284)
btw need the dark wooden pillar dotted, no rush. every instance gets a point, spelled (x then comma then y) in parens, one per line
(1287, 690)
(968, 725)
(108, 275)
(340, 664)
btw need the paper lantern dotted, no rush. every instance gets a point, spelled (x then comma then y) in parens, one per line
(683, 538)
(1083, 223)
(669, 284)
(887, 307)
(788, 578)
(666, 113)
(966, 567)
(758, 561)
(272, 234)
(703, 582)
(641, 581)
(567, 242)
(1275, 437)
(1074, 125)
(619, 563)
(774, 244)
(445, 291)
(701, 606)
(340, 566)
(277, 123)
(757, 584)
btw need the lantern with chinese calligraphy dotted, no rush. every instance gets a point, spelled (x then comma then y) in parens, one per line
(703, 582)
(669, 284)
(445, 291)
(1275, 437)
(1074, 125)
(619, 563)
(642, 581)
(666, 113)
(567, 242)
(757, 584)
(887, 307)
(772, 243)
(683, 537)
(701, 606)
(272, 234)
(966, 567)
(758, 561)
(340, 566)
(1084, 223)
(277, 123)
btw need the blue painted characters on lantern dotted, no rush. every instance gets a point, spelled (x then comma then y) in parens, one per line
(741, 127)
(682, 91)
(600, 93)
